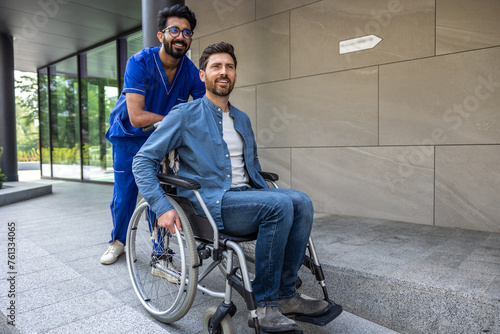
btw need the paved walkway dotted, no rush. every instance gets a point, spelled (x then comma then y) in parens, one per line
(60, 286)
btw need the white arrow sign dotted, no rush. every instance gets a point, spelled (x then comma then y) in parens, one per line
(359, 44)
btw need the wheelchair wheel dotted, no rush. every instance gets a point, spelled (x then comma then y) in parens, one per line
(226, 325)
(162, 266)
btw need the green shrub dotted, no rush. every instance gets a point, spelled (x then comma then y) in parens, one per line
(66, 156)
(27, 156)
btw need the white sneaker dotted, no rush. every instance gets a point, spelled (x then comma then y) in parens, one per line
(115, 249)
(160, 273)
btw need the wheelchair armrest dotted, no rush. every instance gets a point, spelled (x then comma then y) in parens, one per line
(269, 176)
(184, 182)
(178, 181)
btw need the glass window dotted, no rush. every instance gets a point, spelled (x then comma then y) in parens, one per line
(65, 127)
(43, 103)
(134, 43)
(74, 115)
(130, 45)
(99, 94)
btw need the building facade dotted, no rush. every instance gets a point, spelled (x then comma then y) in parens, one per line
(76, 96)
(407, 129)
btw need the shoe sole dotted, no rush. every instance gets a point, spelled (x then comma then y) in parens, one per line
(328, 315)
(113, 260)
(287, 329)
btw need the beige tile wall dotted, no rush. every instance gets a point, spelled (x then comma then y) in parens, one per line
(456, 96)
(270, 7)
(277, 160)
(408, 130)
(366, 182)
(337, 109)
(467, 187)
(405, 26)
(218, 15)
(261, 47)
(463, 25)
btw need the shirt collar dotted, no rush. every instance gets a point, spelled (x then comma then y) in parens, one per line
(215, 109)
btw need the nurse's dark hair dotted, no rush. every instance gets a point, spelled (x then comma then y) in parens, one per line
(181, 11)
(221, 47)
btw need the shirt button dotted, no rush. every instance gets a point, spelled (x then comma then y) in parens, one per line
(227, 155)
(220, 122)
(217, 202)
(228, 175)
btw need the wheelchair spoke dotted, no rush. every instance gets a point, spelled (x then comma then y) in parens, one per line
(160, 266)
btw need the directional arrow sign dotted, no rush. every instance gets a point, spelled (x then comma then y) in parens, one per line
(359, 44)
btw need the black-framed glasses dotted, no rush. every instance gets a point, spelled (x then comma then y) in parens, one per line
(175, 31)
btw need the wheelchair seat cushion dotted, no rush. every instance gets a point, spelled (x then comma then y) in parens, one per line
(200, 225)
(245, 238)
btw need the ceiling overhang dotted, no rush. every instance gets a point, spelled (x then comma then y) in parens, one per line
(46, 31)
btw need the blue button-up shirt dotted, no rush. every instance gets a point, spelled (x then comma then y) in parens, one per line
(195, 130)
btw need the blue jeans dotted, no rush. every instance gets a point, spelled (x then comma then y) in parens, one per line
(283, 219)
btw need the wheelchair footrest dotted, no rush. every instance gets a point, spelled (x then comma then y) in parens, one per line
(332, 311)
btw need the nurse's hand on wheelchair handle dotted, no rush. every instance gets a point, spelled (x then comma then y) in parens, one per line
(150, 127)
(169, 219)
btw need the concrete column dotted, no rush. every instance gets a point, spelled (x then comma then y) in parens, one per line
(150, 9)
(8, 162)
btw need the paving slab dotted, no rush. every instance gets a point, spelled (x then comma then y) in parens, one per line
(411, 278)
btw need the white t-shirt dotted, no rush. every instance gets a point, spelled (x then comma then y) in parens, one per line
(235, 145)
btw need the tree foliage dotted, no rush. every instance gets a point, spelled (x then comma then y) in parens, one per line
(26, 111)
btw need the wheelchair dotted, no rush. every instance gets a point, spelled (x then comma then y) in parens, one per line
(168, 269)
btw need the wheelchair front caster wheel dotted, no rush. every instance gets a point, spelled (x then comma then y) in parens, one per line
(226, 325)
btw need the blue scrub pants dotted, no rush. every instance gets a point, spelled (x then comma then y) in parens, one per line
(124, 194)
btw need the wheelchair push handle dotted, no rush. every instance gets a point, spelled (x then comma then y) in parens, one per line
(150, 127)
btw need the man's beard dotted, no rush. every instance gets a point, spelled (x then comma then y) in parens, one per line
(169, 49)
(212, 87)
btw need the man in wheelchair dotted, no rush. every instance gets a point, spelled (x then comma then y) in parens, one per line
(217, 148)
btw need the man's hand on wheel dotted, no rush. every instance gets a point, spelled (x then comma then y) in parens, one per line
(169, 219)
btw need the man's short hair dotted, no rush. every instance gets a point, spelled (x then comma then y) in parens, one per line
(221, 47)
(175, 11)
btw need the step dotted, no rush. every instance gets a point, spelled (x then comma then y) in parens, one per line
(13, 192)
(412, 278)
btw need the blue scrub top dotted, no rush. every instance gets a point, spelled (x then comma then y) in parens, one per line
(145, 75)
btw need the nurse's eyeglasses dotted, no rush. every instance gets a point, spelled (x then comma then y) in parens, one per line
(175, 31)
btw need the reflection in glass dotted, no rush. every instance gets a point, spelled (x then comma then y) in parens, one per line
(66, 162)
(129, 46)
(99, 94)
(43, 103)
(74, 114)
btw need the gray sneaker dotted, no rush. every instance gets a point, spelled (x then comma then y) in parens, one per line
(161, 271)
(302, 305)
(272, 320)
